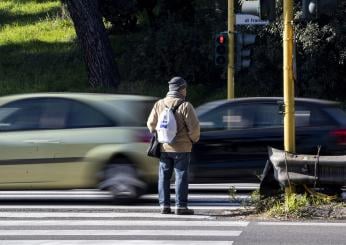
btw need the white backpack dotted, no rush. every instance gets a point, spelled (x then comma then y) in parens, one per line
(166, 127)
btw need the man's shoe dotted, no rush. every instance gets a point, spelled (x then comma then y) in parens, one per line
(184, 211)
(166, 211)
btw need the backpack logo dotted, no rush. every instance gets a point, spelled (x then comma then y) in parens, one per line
(167, 126)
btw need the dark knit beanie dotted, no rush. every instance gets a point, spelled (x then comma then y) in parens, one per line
(176, 84)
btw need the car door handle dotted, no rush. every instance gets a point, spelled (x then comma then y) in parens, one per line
(42, 141)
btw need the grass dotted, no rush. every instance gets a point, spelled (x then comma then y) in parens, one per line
(38, 49)
(39, 53)
(24, 12)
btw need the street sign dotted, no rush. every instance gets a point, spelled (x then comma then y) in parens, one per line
(248, 19)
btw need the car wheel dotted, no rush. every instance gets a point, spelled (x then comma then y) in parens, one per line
(123, 182)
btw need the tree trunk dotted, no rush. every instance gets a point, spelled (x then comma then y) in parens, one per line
(97, 50)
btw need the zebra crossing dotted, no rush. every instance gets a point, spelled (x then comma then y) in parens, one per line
(50, 226)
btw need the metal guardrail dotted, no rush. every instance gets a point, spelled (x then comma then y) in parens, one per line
(307, 169)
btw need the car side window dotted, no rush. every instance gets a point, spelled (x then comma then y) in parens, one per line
(242, 116)
(226, 117)
(54, 114)
(308, 116)
(302, 116)
(84, 116)
(35, 114)
(21, 115)
(267, 115)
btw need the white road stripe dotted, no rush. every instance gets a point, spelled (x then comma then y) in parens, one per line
(219, 186)
(56, 192)
(112, 242)
(205, 197)
(301, 224)
(111, 207)
(156, 233)
(98, 215)
(6, 223)
(194, 198)
(223, 186)
(106, 196)
(95, 193)
(56, 197)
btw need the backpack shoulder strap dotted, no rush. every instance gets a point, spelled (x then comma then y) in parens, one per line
(177, 106)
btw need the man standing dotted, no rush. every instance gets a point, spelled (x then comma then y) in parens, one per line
(176, 155)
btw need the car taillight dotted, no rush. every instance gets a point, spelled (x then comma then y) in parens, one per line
(144, 137)
(340, 135)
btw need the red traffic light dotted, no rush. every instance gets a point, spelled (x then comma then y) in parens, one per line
(221, 39)
(220, 49)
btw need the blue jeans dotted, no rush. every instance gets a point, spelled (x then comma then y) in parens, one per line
(180, 163)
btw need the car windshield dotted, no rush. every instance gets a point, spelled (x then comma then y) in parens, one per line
(4, 113)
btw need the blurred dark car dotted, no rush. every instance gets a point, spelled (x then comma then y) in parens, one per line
(235, 135)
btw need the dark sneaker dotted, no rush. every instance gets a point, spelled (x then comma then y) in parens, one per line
(166, 211)
(184, 211)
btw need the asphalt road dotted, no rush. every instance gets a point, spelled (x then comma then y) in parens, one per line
(298, 233)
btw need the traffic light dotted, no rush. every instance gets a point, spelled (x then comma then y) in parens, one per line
(221, 49)
(313, 9)
(265, 9)
(243, 50)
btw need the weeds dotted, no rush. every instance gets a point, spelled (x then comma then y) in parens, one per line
(292, 205)
(232, 191)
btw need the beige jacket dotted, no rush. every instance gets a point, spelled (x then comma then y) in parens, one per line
(188, 130)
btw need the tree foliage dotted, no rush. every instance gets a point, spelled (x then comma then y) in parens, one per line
(175, 37)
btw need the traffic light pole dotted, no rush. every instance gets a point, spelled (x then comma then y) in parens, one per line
(230, 57)
(288, 39)
(289, 120)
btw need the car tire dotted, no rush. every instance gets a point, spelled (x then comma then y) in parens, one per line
(123, 182)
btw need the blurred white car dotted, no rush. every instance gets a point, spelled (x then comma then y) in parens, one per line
(76, 140)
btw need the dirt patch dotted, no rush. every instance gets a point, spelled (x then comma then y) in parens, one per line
(328, 211)
(334, 211)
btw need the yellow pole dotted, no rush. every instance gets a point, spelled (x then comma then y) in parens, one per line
(230, 58)
(289, 120)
